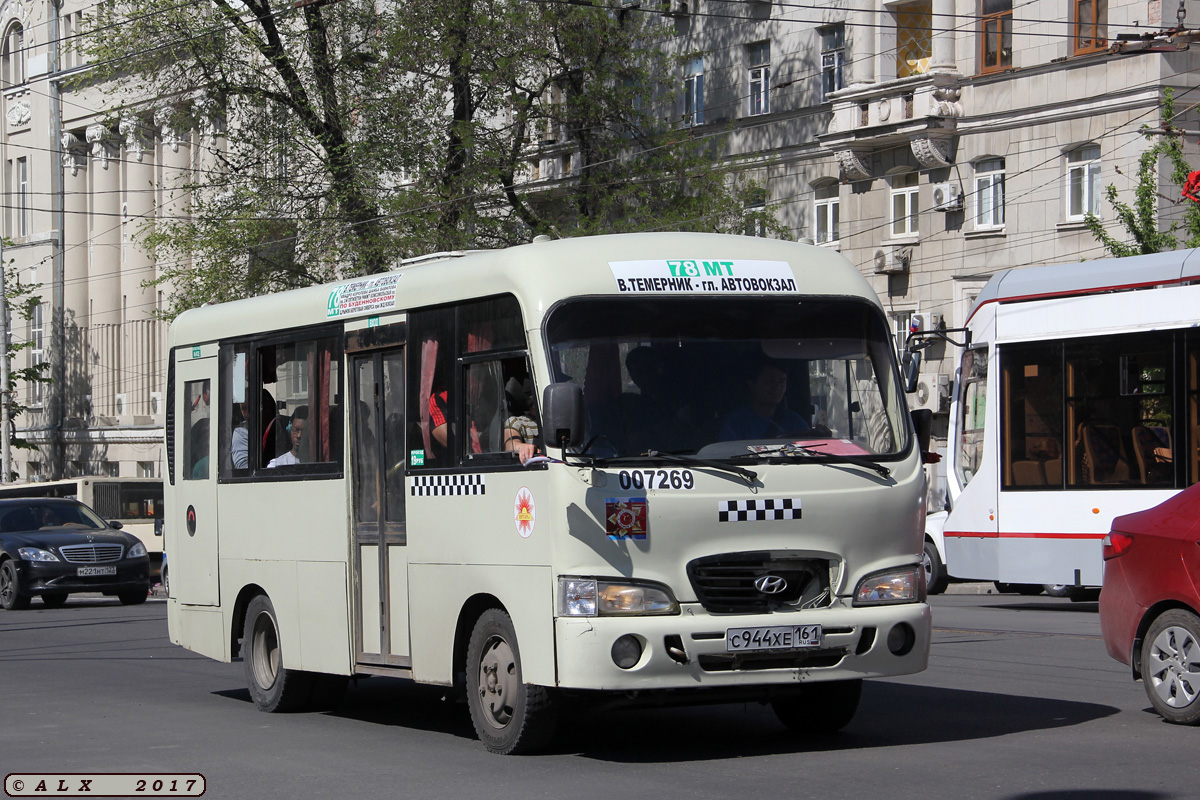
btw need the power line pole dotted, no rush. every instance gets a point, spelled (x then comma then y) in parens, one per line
(5, 440)
(58, 307)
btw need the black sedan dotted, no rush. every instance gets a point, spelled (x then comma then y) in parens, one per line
(52, 547)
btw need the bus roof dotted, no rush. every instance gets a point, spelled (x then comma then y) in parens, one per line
(539, 274)
(1090, 277)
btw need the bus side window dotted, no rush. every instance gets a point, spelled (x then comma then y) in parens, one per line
(196, 425)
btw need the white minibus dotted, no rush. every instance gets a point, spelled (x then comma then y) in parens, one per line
(1077, 400)
(645, 468)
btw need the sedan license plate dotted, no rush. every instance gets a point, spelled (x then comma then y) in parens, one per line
(96, 571)
(784, 637)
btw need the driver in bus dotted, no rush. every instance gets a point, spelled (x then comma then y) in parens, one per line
(765, 416)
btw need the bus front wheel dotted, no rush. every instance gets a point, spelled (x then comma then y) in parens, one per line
(272, 687)
(820, 708)
(509, 715)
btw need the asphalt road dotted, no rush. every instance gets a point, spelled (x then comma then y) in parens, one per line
(1020, 702)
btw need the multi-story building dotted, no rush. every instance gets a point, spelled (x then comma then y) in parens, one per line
(931, 142)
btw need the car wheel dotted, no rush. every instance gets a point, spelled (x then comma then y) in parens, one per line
(509, 715)
(11, 596)
(54, 599)
(272, 687)
(1171, 666)
(819, 708)
(935, 571)
(1057, 589)
(133, 597)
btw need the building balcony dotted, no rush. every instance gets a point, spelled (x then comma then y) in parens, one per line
(921, 111)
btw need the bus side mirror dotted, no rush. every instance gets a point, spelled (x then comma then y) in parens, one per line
(922, 419)
(562, 414)
(910, 368)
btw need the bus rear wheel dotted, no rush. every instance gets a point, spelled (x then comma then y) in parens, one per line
(272, 687)
(819, 708)
(509, 715)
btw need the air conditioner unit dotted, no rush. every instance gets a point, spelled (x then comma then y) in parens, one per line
(156, 403)
(933, 393)
(119, 405)
(892, 260)
(947, 197)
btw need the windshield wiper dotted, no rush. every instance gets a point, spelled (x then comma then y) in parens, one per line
(792, 450)
(748, 475)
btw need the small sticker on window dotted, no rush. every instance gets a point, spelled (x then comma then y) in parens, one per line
(416, 458)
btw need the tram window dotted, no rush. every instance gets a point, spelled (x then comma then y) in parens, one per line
(1031, 417)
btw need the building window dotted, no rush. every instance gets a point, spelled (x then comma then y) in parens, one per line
(995, 36)
(826, 212)
(914, 41)
(146, 469)
(756, 214)
(1091, 26)
(758, 59)
(12, 57)
(37, 351)
(110, 469)
(18, 171)
(989, 193)
(1083, 182)
(833, 57)
(904, 204)
(693, 93)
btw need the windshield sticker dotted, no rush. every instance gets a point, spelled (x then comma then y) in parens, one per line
(362, 296)
(758, 510)
(638, 479)
(416, 458)
(524, 515)
(446, 485)
(701, 276)
(626, 517)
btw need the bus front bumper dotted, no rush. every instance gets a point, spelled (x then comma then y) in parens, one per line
(688, 650)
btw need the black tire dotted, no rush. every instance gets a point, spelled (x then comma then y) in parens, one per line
(935, 571)
(1057, 589)
(509, 716)
(133, 597)
(272, 687)
(821, 708)
(11, 596)
(54, 599)
(166, 580)
(1170, 662)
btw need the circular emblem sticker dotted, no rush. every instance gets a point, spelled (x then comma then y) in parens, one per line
(191, 520)
(523, 513)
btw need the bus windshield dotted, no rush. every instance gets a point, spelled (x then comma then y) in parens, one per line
(720, 378)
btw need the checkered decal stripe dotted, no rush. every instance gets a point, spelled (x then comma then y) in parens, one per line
(758, 510)
(446, 485)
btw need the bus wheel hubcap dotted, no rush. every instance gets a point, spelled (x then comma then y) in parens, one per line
(498, 682)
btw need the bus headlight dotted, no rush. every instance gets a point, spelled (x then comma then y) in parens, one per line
(137, 551)
(891, 586)
(36, 554)
(588, 597)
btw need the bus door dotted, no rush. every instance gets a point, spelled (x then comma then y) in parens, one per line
(192, 521)
(380, 553)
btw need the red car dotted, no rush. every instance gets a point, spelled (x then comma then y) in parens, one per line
(1150, 605)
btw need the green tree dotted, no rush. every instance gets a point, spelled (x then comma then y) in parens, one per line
(1141, 220)
(357, 133)
(23, 302)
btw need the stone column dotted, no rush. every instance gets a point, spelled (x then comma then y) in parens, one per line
(138, 221)
(943, 35)
(175, 161)
(104, 272)
(75, 228)
(860, 43)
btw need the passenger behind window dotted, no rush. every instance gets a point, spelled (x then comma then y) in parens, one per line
(296, 432)
(199, 434)
(521, 427)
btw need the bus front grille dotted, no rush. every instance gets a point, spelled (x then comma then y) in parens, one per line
(758, 582)
(92, 553)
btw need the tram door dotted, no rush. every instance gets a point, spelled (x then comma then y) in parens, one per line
(380, 552)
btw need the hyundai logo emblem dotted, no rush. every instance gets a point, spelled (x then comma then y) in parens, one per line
(770, 584)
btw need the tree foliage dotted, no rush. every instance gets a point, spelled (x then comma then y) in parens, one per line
(1141, 220)
(354, 133)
